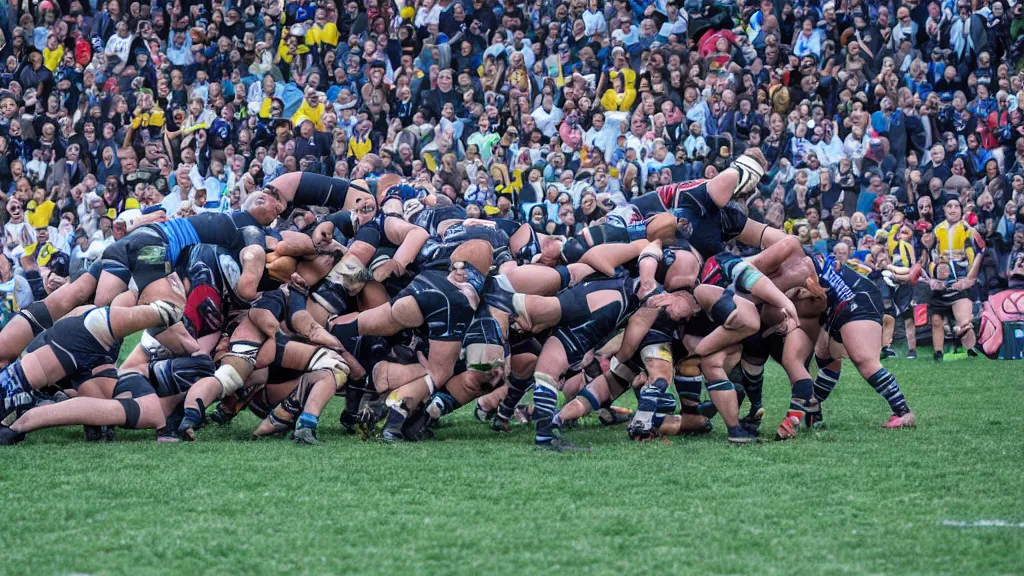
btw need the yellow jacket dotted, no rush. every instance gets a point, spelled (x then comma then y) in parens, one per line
(612, 100)
(315, 115)
(51, 58)
(39, 216)
(628, 77)
(282, 51)
(359, 147)
(901, 253)
(326, 35)
(955, 242)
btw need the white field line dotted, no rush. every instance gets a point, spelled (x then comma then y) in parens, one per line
(982, 524)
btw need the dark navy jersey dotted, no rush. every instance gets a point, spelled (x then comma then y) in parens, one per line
(231, 231)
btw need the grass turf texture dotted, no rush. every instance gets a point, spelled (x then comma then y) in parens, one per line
(851, 499)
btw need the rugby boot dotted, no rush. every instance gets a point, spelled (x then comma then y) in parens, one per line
(614, 415)
(167, 436)
(349, 417)
(192, 421)
(418, 426)
(548, 438)
(642, 426)
(500, 423)
(98, 433)
(371, 415)
(905, 421)
(479, 413)
(225, 411)
(740, 435)
(92, 433)
(813, 417)
(752, 421)
(349, 421)
(305, 429)
(442, 404)
(790, 425)
(303, 435)
(9, 437)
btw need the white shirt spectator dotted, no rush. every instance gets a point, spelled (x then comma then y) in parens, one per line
(628, 39)
(120, 47)
(829, 153)
(425, 16)
(547, 122)
(604, 139)
(17, 236)
(181, 56)
(594, 23)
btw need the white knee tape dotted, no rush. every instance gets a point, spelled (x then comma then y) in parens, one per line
(750, 174)
(656, 352)
(621, 370)
(546, 380)
(519, 304)
(350, 274)
(97, 322)
(153, 347)
(324, 359)
(229, 378)
(430, 384)
(169, 313)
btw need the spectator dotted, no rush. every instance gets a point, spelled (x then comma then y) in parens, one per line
(510, 109)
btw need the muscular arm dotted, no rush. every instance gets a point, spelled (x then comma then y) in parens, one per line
(265, 321)
(361, 251)
(254, 260)
(410, 239)
(295, 244)
(306, 326)
(648, 271)
(766, 291)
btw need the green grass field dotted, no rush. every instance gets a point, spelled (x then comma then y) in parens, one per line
(850, 499)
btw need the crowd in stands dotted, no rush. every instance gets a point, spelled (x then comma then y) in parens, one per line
(872, 115)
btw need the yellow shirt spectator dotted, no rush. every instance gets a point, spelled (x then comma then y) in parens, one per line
(46, 251)
(326, 34)
(628, 75)
(956, 243)
(359, 147)
(313, 114)
(286, 55)
(618, 101)
(51, 58)
(39, 215)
